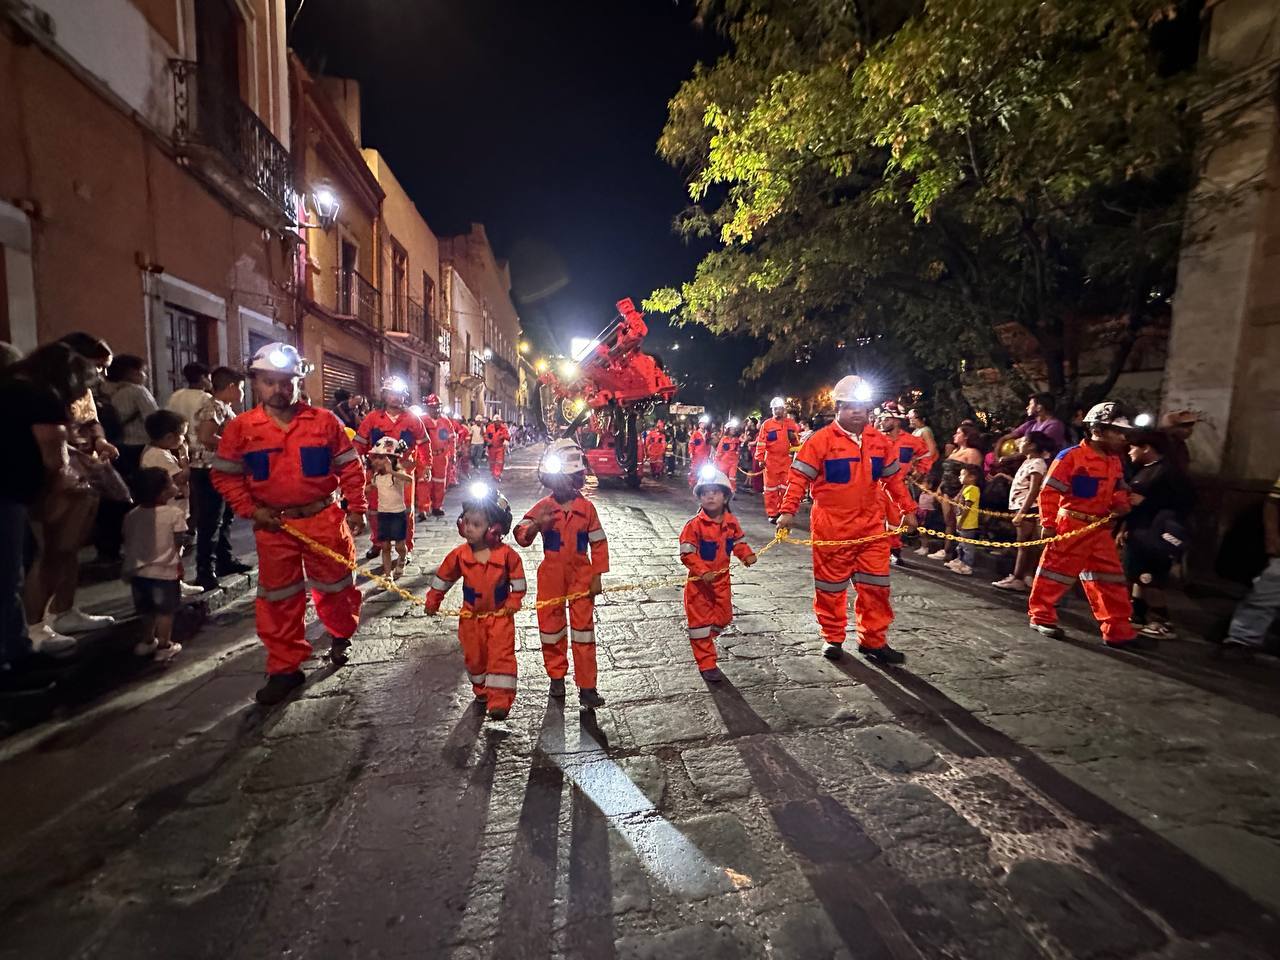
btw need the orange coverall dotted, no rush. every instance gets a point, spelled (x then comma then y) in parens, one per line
(439, 442)
(496, 435)
(699, 452)
(1083, 481)
(727, 458)
(407, 427)
(488, 643)
(261, 464)
(773, 448)
(849, 481)
(913, 454)
(461, 451)
(574, 549)
(655, 451)
(706, 544)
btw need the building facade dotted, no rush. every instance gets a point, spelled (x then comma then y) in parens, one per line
(414, 340)
(488, 279)
(340, 307)
(146, 182)
(463, 373)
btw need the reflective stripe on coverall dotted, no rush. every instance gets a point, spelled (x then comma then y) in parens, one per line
(849, 482)
(488, 643)
(574, 549)
(773, 448)
(261, 464)
(1086, 480)
(706, 544)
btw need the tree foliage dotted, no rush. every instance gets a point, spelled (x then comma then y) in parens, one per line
(931, 179)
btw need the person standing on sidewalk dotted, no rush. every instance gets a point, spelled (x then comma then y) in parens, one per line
(282, 462)
(191, 398)
(1255, 613)
(1024, 495)
(213, 515)
(850, 468)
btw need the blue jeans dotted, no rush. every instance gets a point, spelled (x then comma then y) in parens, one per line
(1252, 619)
(14, 644)
(967, 553)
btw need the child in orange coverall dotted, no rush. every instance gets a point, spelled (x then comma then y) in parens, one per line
(492, 580)
(575, 556)
(706, 543)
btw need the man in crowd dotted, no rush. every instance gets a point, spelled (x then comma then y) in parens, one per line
(774, 442)
(393, 419)
(190, 398)
(852, 470)
(284, 462)
(1040, 420)
(1178, 427)
(439, 442)
(211, 513)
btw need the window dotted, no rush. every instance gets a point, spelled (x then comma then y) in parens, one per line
(186, 341)
(346, 280)
(399, 290)
(428, 306)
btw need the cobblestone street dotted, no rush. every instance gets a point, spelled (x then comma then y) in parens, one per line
(1002, 796)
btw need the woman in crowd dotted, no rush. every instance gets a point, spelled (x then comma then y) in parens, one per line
(965, 452)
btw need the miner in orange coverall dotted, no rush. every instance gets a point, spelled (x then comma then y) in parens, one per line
(395, 420)
(849, 466)
(461, 452)
(285, 461)
(496, 438)
(777, 436)
(655, 449)
(726, 455)
(1085, 483)
(575, 555)
(706, 543)
(699, 449)
(439, 430)
(456, 451)
(492, 580)
(913, 454)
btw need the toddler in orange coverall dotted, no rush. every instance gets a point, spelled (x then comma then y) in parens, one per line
(706, 542)
(492, 580)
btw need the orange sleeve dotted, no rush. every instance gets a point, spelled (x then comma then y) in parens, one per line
(804, 470)
(741, 549)
(447, 574)
(515, 577)
(1052, 489)
(598, 541)
(227, 472)
(689, 549)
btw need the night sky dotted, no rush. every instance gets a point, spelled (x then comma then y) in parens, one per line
(539, 120)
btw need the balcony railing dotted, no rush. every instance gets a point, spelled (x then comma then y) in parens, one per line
(358, 298)
(215, 127)
(477, 366)
(505, 366)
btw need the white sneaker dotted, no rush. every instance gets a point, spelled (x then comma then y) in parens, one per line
(165, 654)
(146, 648)
(1010, 583)
(961, 568)
(189, 589)
(44, 639)
(1157, 631)
(937, 555)
(921, 551)
(77, 621)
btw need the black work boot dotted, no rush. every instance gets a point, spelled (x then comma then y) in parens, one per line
(557, 688)
(231, 567)
(712, 675)
(279, 686)
(588, 697)
(832, 651)
(498, 713)
(372, 552)
(885, 654)
(340, 651)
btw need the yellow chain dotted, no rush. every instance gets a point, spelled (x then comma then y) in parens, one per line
(942, 535)
(960, 504)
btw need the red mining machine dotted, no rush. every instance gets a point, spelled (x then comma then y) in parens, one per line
(602, 396)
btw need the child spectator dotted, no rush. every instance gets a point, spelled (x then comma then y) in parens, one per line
(155, 532)
(492, 580)
(967, 519)
(570, 529)
(706, 543)
(1023, 497)
(168, 451)
(390, 483)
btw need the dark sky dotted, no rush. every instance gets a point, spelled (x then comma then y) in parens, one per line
(539, 119)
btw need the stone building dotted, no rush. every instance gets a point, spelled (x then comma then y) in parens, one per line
(464, 372)
(146, 182)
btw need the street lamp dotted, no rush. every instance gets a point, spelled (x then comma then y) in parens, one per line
(487, 355)
(327, 206)
(523, 346)
(541, 365)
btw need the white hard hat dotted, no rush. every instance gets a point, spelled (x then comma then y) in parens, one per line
(280, 358)
(563, 456)
(395, 383)
(704, 420)
(1108, 413)
(709, 476)
(777, 403)
(852, 389)
(389, 447)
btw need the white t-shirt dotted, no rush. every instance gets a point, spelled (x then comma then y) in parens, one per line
(390, 492)
(150, 542)
(166, 461)
(1021, 486)
(477, 434)
(187, 402)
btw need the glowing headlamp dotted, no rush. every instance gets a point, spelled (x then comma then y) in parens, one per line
(1142, 420)
(552, 463)
(417, 410)
(479, 491)
(862, 392)
(278, 358)
(707, 473)
(396, 384)
(733, 422)
(704, 420)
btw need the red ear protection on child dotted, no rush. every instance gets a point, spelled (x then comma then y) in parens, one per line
(492, 535)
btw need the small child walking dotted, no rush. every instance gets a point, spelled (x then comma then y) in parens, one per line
(492, 580)
(388, 483)
(706, 543)
(575, 555)
(155, 532)
(967, 520)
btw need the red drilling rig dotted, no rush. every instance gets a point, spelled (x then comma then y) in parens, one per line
(603, 395)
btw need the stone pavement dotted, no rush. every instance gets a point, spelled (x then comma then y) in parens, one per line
(1004, 796)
